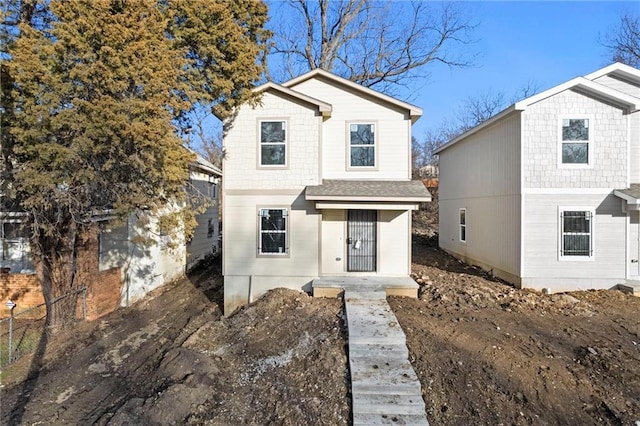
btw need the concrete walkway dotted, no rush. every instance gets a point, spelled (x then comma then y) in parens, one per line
(385, 389)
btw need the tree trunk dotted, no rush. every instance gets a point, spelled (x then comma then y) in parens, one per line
(57, 267)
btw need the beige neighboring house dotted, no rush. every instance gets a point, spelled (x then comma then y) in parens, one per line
(546, 194)
(317, 189)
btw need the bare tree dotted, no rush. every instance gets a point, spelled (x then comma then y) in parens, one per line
(624, 42)
(205, 136)
(473, 111)
(381, 44)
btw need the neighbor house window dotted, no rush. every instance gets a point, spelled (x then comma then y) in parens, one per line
(576, 236)
(273, 143)
(273, 231)
(463, 225)
(575, 139)
(13, 234)
(362, 145)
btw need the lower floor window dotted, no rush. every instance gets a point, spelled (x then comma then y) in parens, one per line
(273, 231)
(577, 233)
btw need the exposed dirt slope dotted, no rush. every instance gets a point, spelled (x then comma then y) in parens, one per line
(490, 354)
(172, 359)
(485, 353)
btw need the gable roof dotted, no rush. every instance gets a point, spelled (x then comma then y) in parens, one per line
(617, 69)
(580, 84)
(414, 111)
(324, 107)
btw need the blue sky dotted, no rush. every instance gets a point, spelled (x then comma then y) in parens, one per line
(542, 42)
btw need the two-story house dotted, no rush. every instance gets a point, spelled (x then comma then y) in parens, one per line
(317, 184)
(546, 194)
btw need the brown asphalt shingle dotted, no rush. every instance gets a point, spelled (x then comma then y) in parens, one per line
(410, 190)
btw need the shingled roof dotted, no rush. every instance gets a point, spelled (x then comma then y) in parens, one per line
(368, 190)
(631, 194)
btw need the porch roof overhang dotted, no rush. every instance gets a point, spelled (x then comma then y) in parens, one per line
(631, 195)
(368, 194)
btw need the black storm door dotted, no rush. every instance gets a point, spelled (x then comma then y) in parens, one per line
(361, 240)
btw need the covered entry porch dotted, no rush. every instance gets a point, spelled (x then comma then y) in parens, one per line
(365, 234)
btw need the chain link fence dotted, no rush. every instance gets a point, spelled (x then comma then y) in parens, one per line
(21, 332)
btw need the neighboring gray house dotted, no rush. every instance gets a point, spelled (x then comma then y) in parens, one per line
(317, 184)
(546, 194)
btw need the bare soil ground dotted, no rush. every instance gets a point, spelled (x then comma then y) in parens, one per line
(485, 353)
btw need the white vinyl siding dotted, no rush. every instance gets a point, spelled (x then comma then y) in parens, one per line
(242, 169)
(393, 133)
(634, 118)
(542, 141)
(482, 175)
(246, 275)
(543, 265)
(241, 236)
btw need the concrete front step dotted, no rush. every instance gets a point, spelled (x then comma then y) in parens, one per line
(381, 352)
(367, 372)
(390, 419)
(388, 404)
(384, 387)
(630, 287)
(407, 388)
(365, 295)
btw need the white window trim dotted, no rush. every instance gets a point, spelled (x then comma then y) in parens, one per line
(287, 230)
(563, 258)
(285, 143)
(461, 225)
(375, 145)
(589, 142)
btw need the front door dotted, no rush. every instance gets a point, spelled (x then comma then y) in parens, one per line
(361, 240)
(634, 246)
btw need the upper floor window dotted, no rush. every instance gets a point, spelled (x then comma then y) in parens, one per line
(273, 143)
(576, 234)
(362, 145)
(575, 140)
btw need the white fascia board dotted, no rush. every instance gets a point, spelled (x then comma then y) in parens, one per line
(365, 206)
(324, 107)
(581, 83)
(617, 69)
(628, 198)
(368, 199)
(588, 86)
(414, 111)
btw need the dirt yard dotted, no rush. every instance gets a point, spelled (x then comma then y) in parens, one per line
(485, 353)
